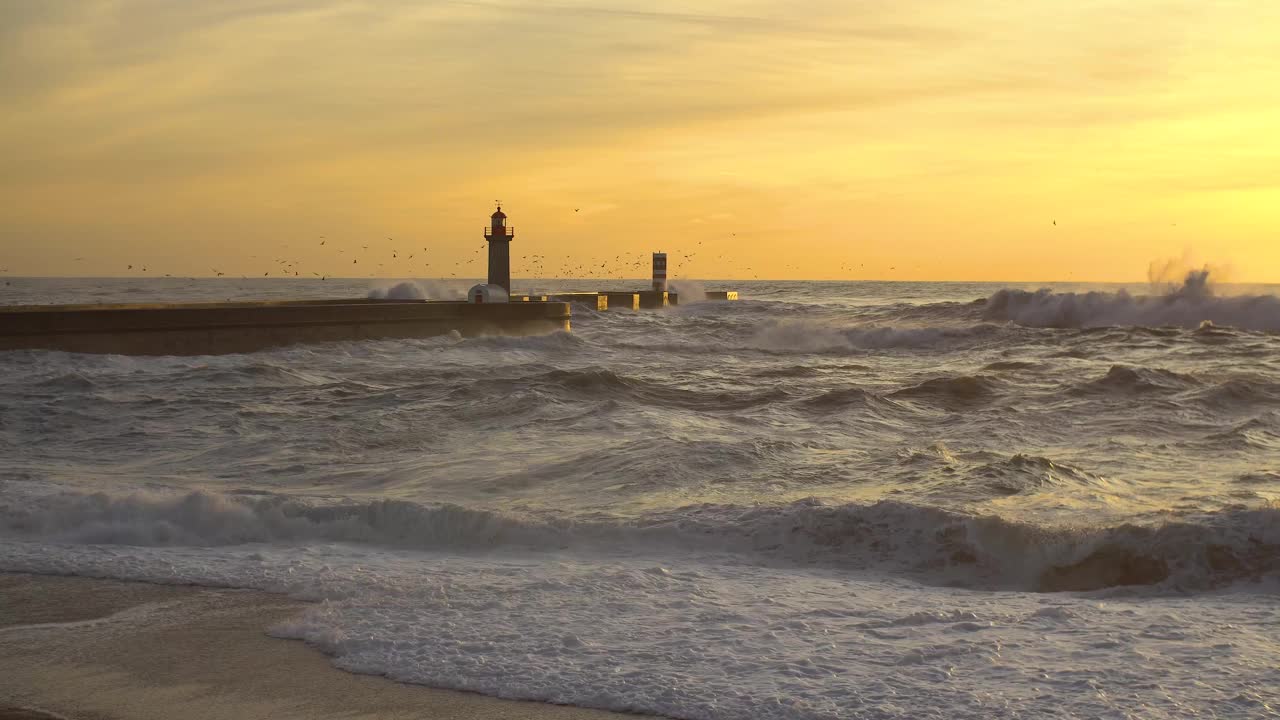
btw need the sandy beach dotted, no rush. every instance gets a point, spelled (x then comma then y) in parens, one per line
(89, 649)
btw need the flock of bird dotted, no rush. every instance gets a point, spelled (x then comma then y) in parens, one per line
(396, 261)
(390, 258)
(375, 261)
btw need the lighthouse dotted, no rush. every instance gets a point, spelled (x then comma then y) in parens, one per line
(499, 237)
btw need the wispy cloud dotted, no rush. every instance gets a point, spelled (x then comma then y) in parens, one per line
(262, 107)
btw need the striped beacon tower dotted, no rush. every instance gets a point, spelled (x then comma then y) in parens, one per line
(659, 272)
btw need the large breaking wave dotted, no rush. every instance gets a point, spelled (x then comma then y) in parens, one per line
(937, 545)
(1191, 305)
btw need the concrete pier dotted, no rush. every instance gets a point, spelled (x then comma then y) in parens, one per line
(623, 300)
(594, 300)
(222, 328)
(712, 295)
(653, 299)
(639, 300)
(721, 294)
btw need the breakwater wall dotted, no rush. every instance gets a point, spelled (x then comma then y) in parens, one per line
(234, 327)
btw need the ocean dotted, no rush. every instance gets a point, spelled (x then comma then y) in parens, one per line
(826, 500)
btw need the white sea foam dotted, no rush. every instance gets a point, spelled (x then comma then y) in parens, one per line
(690, 636)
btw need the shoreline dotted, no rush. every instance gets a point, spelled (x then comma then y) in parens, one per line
(95, 649)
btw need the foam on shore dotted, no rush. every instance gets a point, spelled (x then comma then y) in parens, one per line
(79, 647)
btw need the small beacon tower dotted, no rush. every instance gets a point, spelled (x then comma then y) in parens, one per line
(499, 237)
(659, 272)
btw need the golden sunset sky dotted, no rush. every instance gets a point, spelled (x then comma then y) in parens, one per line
(903, 139)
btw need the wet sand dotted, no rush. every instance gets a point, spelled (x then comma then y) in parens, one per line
(89, 649)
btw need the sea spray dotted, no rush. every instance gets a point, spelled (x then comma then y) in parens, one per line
(407, 290)
(1188, 305)
(690, 291)
(418, 290)
(1170, 275)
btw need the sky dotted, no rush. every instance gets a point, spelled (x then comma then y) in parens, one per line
(1021, 140)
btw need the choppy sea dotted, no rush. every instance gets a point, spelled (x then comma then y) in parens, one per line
(826, 500)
